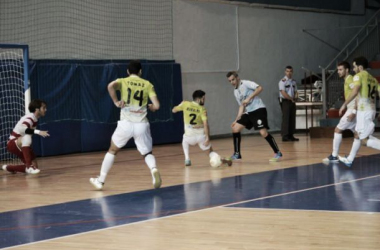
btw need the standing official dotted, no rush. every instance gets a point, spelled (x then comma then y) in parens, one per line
(288, 95)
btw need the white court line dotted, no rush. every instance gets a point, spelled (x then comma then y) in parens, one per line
(302, 210)
(303, 190)
(195, 211)
(373, 200)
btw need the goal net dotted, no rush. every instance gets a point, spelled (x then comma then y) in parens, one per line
(14, 93)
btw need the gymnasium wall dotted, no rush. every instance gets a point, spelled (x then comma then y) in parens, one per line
(212, 38)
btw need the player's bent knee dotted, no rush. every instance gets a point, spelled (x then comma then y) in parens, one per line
(364, 142)
(337, 130)
(264, 132)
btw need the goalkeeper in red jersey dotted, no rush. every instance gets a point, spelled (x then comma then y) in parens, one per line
(20, 140)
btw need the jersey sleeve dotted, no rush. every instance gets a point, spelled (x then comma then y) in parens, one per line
(204, 115)
(181, 106)
(281, 85)
(118, 83)
(251, 85)
(151, 91)
(357, 80)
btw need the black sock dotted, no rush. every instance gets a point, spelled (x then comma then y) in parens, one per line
(272, 143)
(237, 140)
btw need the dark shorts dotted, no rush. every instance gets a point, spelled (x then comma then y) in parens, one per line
(256, 119)
(12, 147)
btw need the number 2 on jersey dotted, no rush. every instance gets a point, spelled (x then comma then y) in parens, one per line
(193, 117)
(138, 96)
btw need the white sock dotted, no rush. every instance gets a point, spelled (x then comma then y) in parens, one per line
(336, 144)
(185, 147)
(373, 142)
(212, 154)
(354, 150)
(150, 161)
(106, 166)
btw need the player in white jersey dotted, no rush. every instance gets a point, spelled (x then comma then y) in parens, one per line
(365, 89)
(252, 113)
(196, 126)
(348, 121)
(135, 92)
(20, 140)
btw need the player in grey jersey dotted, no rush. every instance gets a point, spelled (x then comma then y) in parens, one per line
(252, 113)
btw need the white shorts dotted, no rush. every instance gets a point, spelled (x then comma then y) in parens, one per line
(139, 131)
(345, 124)
(364, 123)
(196, 139)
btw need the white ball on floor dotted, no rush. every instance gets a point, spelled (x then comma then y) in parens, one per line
(215, 161)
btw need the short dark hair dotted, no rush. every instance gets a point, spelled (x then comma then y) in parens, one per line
(134, 67)
(198, 94)
(345, 64)
(234, 73)
(361, 61)
(288, 67)
(35, 104)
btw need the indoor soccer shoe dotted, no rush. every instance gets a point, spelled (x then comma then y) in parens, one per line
(276, 157)
(227, 161)
(345, 161)
(331, 158)
(187, 163)
(32, 170)
(156, 178)
(96, 183)
(236, 156)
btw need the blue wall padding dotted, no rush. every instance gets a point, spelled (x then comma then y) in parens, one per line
(81, 116)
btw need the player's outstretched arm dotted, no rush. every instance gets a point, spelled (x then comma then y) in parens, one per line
(155, 104)
(42, 133)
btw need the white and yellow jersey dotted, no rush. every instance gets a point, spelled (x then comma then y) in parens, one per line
(135, 92)
(348, 87)
(367, 93)
(193, 115)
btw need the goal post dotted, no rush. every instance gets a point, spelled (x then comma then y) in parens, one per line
(14, 91)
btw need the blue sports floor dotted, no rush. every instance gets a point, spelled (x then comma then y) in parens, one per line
(331, 187)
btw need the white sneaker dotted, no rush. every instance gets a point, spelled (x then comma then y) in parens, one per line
(32, 170)
(96, 183)
(156, 178)
(345, 161)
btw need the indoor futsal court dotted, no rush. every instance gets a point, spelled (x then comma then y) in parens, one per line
(298, 203)
(119, 119)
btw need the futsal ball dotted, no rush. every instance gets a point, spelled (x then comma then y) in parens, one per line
(215, 161)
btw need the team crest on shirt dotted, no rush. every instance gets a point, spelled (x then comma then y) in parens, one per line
(351, 85)
(356, 78)
(283, 79)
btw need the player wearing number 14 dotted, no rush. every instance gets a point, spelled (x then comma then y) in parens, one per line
(135, 93)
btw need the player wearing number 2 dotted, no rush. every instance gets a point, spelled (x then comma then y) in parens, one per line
(135, 93)
(365, 87)
(196, 126)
